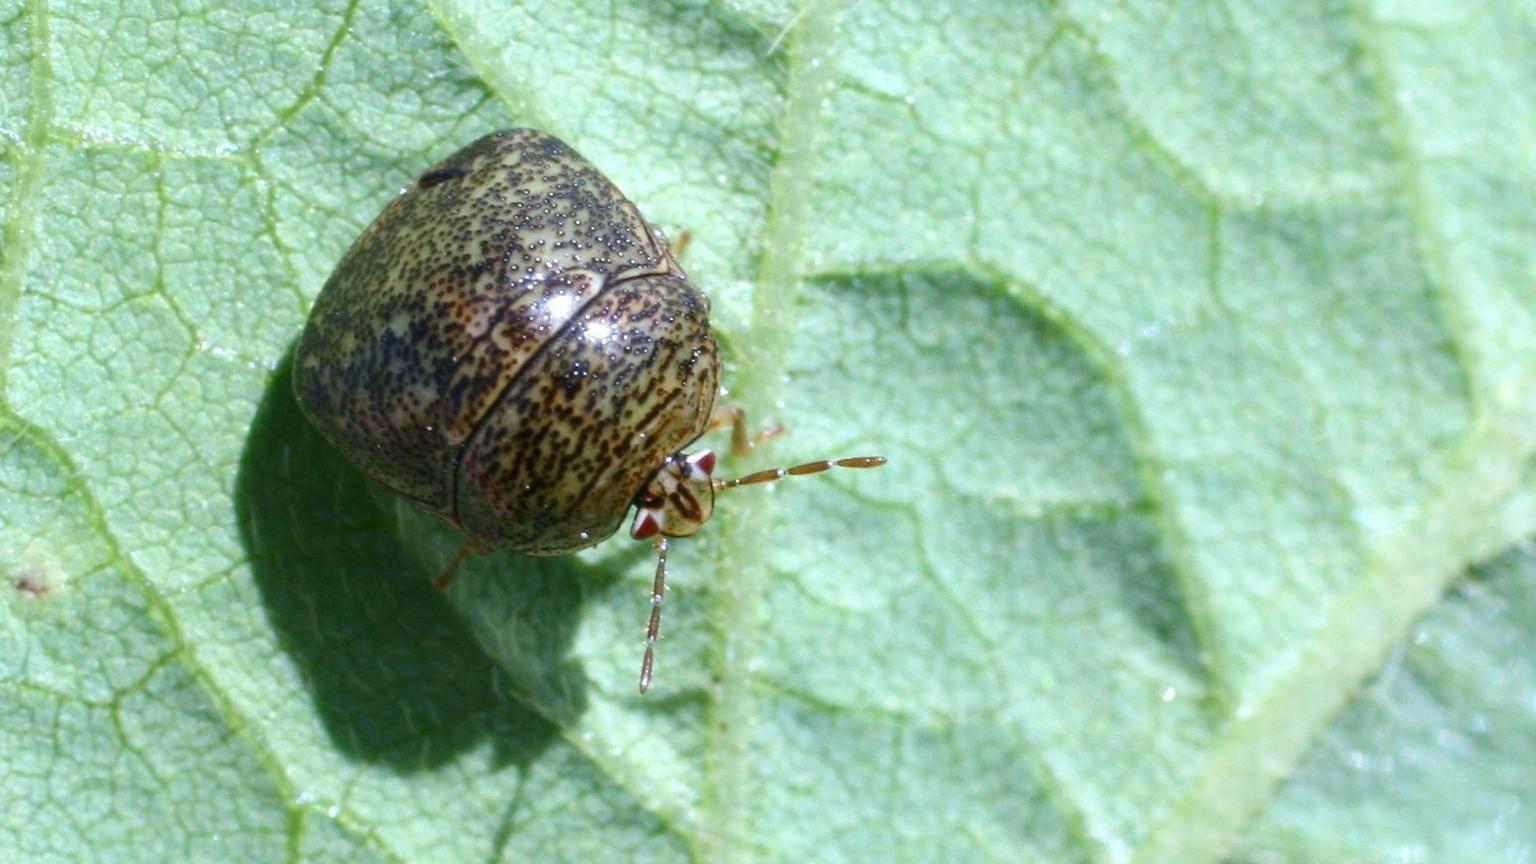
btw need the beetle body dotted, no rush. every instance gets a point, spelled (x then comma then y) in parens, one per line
(511, 346)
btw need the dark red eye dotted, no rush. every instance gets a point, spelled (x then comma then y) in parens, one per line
(645, 526)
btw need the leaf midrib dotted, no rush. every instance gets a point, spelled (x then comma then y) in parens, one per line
(807, 43)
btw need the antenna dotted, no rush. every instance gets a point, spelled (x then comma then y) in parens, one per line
(658, 517)
(653, 630)
(773, 474)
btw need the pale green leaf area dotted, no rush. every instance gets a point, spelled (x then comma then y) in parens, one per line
(1201, 338)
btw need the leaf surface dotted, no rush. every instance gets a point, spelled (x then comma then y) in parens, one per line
(1202, 340)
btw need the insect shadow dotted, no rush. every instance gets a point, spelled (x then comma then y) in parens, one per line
(395, 672)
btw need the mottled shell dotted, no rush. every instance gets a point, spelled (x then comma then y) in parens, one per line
(511, 346)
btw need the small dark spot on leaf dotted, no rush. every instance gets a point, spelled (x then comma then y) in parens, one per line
(30, 582)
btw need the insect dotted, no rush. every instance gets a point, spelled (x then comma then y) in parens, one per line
(512, 347)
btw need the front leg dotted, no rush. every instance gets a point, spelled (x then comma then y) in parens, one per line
(469, 547)
(735, 417)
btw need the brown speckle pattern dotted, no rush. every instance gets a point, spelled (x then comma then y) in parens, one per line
(510, 345)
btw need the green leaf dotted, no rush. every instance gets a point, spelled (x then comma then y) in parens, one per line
(1201, 337)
